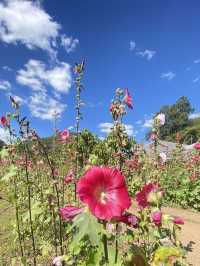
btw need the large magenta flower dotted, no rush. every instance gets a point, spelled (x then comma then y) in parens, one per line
(104, 191)
(69, 212)
(144, 196)
(128, 99)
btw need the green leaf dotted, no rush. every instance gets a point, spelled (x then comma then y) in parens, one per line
(4, 153)
(163, 255)
(12, 172)
(87, 225)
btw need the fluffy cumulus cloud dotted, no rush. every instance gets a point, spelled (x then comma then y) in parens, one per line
(168, 75)
(107, 127)
(148, 54)
(69, 43)
(43, 81)
(44, 106)
(5, 85)
(37, 75)
(23, 21)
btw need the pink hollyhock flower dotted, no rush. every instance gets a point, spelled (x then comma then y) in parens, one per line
(157, 217)
(128, 99)
(197, 146)
(4, 121)
(178, 220)
(64, 135)
(104, 191)
(69, 212)
(68, 178)
(196, 159)
(152, 136)
(144, 195)
(128, 219)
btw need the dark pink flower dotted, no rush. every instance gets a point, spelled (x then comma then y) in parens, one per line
(157, 217)
(68, 178)
(64, 135)
(197, 146)
(153, 136)
(104, 191)
(178, 220)
(142, 197)
(128, 99)
(69, 212)
(128, 219)
(4, 121)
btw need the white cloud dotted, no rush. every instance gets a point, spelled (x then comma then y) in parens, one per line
(7, 68)
(148, 54)
(197, 61)
(194, 115)
(69, 43)
(169, 75)
(107, 127)
(25, 22)
(139, 122)
(132, 45)
(5, 85)
(44, 106)
(4, 135)
(129, 130)
(37, 75)
(148, 123)
(196, 79)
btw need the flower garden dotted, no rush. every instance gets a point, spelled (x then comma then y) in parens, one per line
(78, 200)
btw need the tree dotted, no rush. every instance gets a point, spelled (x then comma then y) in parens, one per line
(177, 117)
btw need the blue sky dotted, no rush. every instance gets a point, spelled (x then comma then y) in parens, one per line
(151, 47)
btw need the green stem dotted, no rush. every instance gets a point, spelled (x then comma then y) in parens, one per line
(105, 244)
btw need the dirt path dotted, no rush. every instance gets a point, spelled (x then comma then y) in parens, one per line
(190, 233)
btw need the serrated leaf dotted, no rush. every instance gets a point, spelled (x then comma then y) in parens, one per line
(86, 224)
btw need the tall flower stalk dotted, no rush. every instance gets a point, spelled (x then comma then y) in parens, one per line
(117, 108)
(78, 70)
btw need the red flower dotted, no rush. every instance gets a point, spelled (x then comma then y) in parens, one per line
(197, 146)
(157, 217)
(4, 121)
(69, 212)
(128, 99)
(143, 196)
(178, 220)
(104, 191)
(128, 219)
(64, 135)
